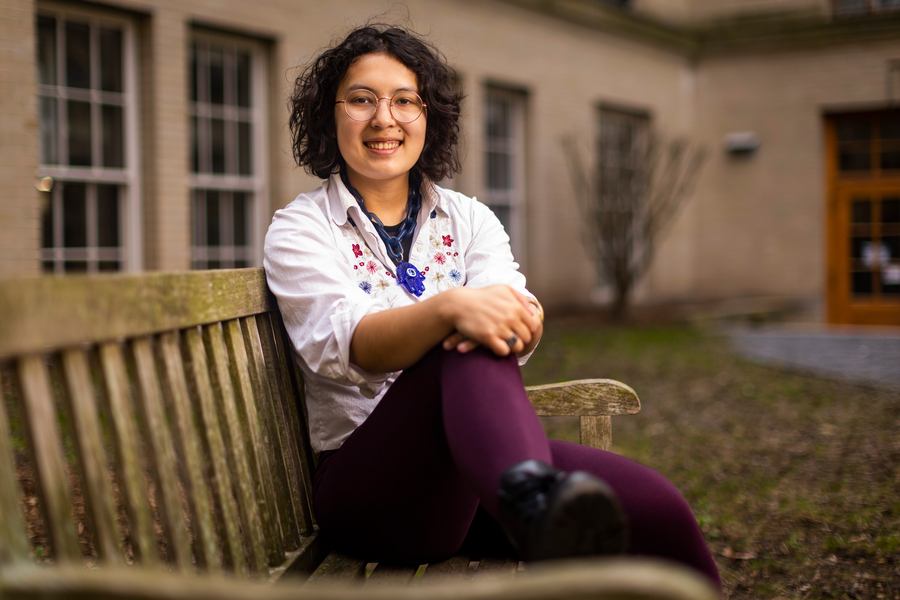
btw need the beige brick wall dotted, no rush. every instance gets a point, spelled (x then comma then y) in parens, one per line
(19, 199)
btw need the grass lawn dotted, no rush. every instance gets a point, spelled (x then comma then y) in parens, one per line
(795, 480)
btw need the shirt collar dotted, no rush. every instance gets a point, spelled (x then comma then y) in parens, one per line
(344, 205)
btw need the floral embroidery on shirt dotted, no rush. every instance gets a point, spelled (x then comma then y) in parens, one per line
(433, 214)
(439, 258)
(356, 251)
(371, 266)
(365, 286)
(455, 275)
(448, 240)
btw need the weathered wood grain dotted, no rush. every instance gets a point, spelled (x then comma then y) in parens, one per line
(202, 392)
(258, 459)
(593, 397)
(390, 575)
(450, 569)
(290, 438)
(597, 579)
(196, 489)
(161, 455)
(47, 457)
(338, 568)
(13, 538)
(271, 441)
(596, 432)
(299, 563)
(85, 419)
(236, 448)
(59, 312)
(127, 452)
(497, 569)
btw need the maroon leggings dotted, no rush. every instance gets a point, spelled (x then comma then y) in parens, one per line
(406, 485)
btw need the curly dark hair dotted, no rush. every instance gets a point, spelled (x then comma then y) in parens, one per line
(313, 130)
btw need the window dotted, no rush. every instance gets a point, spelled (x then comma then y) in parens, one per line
(864, 7)
(227, 151)
(621, 147)
(505, 159)
(86, 106)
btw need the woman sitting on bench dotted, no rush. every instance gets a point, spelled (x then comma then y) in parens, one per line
(410, 319)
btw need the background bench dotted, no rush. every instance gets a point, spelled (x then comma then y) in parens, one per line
(156, 421)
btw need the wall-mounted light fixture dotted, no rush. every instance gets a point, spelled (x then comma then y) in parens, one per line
(741, 142)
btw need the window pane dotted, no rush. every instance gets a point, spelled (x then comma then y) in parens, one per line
(244, 164)
(47, 50)
(499, 176)
(890, 143)
(498, 118)
(240, 218)
(113, 135)
(212, 218)
(890, 210)
(243, 79)
(79, 115)
(74, 216)
(861, 211)
(195, 146)
(216, 77)
(111, 60)
(194, 73)
(46, 220)
(218, 145)
(75, 266)
(78, 55)
(107, 216)
(49, 127)
(862, 283)
(107, 266)
(199, 214)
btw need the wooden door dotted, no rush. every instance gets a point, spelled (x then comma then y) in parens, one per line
(864, 218)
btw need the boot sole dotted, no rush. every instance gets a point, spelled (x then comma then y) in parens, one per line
(583, 518)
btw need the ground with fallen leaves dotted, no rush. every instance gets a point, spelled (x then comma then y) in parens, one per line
(795, 480)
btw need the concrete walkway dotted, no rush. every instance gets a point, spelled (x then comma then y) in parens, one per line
(862, 355)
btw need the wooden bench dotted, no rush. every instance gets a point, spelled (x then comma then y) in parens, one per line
(153, 437)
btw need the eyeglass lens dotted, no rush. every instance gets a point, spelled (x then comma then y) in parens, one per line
(361, 105)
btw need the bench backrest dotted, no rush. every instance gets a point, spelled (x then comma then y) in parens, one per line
(151, 419)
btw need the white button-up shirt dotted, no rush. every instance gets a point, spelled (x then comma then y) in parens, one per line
(328, 274)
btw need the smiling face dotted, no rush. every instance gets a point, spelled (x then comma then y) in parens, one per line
(381, 151)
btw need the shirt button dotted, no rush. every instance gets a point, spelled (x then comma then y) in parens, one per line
(418, 247)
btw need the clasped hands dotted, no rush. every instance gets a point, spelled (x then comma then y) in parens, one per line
(497, 317)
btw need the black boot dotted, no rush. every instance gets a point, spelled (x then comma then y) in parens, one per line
(547, 513)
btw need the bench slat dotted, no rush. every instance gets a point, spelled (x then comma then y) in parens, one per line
(390, 575)
(296, 409)
(236, 448)
(228, 514)
(161, 455)
(82, 408)
(195, 485)
(454, 567)
(497, 569)
(256, 455)
(596, 432)
(13, 537)
(338, 568)
(60, 312)
(47, 456)
(276, 373)
(127, 452)
(301, 562)
(593, 397)
(283, 508)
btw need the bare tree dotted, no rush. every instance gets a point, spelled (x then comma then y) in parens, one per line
(637, 186)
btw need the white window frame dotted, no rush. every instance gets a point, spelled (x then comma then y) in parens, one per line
(513, 197)
(867, 7)
(255, 184)
(130, 251)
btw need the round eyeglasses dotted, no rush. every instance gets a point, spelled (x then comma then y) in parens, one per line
(361, 105)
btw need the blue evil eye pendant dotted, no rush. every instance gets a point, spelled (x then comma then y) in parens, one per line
(409, 277)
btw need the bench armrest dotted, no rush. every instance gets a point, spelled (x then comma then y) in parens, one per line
(584, 397)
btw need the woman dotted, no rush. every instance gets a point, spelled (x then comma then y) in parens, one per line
(407, 315)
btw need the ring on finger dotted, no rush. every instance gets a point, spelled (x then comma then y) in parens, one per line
(511, 341)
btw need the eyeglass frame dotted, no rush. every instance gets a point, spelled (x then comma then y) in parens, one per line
(378, 101)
